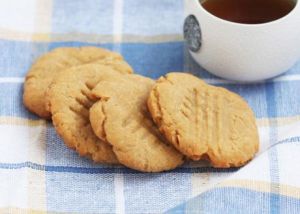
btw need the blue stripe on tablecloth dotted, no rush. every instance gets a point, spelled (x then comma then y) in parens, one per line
(11, 101)
(286, 98)
(232, 200)
(17, 57)
(152, 60)
(80, 193)
(146, 20)
(57, 153)
(103, 169)
(273, 154)
(167, 190)
(154, 17)
(68, 18)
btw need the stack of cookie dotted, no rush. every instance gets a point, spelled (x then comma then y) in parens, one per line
(105, 112)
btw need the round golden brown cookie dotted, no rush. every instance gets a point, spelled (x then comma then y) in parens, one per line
(204, 121)
(50, 64)
(69, 100)
(121, 118)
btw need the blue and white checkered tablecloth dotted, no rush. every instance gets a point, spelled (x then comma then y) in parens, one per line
(39, 174)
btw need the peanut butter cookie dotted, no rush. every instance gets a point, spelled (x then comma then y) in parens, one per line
(50, 64)
(121, 118)
(69, 101)
(204, 121)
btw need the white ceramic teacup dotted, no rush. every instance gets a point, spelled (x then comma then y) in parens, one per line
(242, 52)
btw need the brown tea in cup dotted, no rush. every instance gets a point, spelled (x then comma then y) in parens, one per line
(249, 11)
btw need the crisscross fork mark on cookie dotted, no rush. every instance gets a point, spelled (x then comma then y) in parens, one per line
(70, 99)
(204, 121)
(121, 118)
(44, 70)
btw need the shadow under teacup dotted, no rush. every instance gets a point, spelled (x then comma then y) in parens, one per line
(242, 41)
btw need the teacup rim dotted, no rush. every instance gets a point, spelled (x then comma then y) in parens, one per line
(249, 25)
